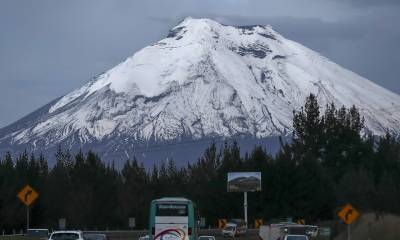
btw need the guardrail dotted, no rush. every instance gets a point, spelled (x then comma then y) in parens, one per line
(135, 234)
(12, 235)
(122, 235)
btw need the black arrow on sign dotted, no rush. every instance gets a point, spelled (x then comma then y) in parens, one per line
(29, 192)
(348, 214)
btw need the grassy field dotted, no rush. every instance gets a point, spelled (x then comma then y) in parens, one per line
(374, 227)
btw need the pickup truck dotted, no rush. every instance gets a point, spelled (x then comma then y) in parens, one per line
(234, 229)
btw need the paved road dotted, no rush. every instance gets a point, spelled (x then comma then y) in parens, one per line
(134, 235)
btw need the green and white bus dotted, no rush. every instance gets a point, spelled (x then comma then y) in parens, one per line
(172, 219)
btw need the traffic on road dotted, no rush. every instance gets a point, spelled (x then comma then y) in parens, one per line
(172, 218)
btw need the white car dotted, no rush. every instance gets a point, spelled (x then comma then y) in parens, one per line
(67, 235)
(229, 230)
(295, 237)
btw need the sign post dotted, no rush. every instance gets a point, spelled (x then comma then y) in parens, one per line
(202, 222)
(245, 207)
(348, 214)
(27, 218)
(62, 223)
(348, 232)
(132, 222)
(27, 195)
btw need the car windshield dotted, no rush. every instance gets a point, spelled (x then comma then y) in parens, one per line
(230, 228)
(64, 236)
(206, 238)
(95, 237)
(296, 238)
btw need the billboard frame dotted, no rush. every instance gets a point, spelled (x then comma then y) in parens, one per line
(231, 176)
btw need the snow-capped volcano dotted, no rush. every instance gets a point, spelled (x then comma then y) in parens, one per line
(203, 80)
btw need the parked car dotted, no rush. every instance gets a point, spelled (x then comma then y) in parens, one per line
(67, 235)
(95, 236)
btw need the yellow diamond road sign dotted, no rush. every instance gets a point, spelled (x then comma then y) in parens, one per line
(348, 214)
(258, 223)
(221, 223)
(28, 195)
(301, 221)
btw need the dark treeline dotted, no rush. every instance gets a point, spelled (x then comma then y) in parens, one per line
(329, 162)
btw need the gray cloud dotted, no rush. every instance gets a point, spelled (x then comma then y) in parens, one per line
(48, 48)
(367, 3)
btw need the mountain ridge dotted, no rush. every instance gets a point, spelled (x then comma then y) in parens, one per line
(204, 80)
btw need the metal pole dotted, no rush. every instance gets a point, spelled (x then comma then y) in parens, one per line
(27, 219)
(245, 207)
(348, 231)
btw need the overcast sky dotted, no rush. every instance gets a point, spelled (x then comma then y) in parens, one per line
(48, 48)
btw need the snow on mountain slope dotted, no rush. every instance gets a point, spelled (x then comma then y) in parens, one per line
(205, 80)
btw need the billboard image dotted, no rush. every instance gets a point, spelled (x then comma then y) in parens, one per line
(244, 182)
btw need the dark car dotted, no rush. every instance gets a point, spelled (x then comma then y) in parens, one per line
(96, 236)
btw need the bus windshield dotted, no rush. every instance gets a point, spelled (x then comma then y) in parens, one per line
(168, 209)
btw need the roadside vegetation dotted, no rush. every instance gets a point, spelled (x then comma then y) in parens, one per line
(329, 162)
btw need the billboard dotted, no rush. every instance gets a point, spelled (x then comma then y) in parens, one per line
(244, 182)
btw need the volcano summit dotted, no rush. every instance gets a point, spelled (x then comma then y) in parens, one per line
(205, 80)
